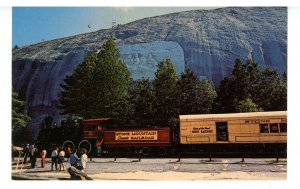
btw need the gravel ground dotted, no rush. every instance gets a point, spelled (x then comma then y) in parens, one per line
(163, 169)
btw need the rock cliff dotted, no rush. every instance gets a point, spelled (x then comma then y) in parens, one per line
(207, 41)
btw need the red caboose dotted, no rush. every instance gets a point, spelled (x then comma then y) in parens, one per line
(154, 140)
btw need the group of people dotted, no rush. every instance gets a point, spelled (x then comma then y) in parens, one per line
(58, 156)
(32, 152)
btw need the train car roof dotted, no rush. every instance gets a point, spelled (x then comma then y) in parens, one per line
(95, 121)
(234, 115)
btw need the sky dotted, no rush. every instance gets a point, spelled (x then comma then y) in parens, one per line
(31, 25)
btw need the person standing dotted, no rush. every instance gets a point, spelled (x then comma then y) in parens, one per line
(43, 157)
(31, 152)
(68, 152)
(54, 156)
(34, 158)
(61, 159)
(74, 159)
(83, 160)
(98, 147)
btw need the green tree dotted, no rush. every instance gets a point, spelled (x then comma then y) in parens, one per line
(271, 93)
(242, 84)
(142, 99)
(77, 96)
(247, 105)
(19, 118)
(98, 86)
(166, 109)
(249, 84)
(195, 96)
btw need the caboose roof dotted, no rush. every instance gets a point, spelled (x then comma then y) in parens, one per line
(234, 115)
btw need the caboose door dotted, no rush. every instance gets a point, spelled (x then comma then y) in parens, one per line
(221, 131)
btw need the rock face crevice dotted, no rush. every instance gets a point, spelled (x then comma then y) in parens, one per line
(207, 41)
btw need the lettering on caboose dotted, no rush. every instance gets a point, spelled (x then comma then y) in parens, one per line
(136, 135)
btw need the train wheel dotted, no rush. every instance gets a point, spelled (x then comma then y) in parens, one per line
(68, 142)
(145, 151)
(85, 144)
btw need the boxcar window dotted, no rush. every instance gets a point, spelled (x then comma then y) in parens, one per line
(283, 127)
(221, 131)
(264, 128)
(274, 128)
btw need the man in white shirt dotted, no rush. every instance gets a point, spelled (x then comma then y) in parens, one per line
(83, 159)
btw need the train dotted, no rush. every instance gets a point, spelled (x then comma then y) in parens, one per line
(232, 133)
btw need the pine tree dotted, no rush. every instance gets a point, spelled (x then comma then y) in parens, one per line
(19, 118)
(166, 109)
(271, 92)
(98, 86)
(142, 99)
(250, 88)
(196, 97)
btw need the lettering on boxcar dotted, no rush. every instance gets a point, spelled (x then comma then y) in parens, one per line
(136, 135)
(202, 130)
(258, 121)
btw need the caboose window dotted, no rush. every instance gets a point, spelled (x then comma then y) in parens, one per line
(264, 128)
(283, 127)
(274, 128)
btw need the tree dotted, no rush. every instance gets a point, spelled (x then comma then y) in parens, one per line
(251, 88)
(98, 86)
(77, 97)
(142, 99)
(166, 109)
(19, 118)
(196, 96)
(247, 105)
(242, 84)
(271, 92)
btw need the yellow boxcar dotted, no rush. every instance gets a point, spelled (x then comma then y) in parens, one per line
(234, 128)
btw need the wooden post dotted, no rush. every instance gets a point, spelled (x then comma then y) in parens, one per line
(140, 156)
(20, 153)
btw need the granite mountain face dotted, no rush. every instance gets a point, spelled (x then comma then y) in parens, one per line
(207, 41)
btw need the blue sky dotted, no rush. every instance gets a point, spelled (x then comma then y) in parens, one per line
(35, 24)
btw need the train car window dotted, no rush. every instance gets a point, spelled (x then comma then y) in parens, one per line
(274, 128)
(264, 128)
(221, 131)
(283, 127)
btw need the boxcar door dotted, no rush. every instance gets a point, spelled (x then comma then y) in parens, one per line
(221, 131)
